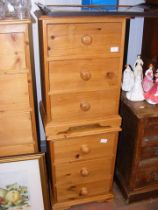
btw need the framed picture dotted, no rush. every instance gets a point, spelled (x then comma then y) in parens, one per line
(23, 183)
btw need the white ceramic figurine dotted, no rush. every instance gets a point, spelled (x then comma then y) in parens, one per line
(138, 61)
(137, 93)
(138, 67)
(128, 79)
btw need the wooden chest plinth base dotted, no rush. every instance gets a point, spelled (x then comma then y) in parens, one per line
(67, 204)
(136, 194)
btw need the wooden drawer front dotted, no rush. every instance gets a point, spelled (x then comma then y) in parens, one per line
(12, 54)
(84, 106)
(14, 92)
(84, 148)
(151, 127)
(149, 152)
(72, 75)
(9, 150)
(85, 40)
(150, 141)
(84, 171)
(15, 128)
(147, 174)
(81, 191)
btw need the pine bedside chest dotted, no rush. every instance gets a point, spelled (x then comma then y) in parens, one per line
(81, 73)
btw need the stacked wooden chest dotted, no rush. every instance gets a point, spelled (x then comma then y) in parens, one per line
(81, 73)
(17, 117)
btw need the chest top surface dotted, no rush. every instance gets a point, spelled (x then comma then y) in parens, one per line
(141, 109)
(143, 10)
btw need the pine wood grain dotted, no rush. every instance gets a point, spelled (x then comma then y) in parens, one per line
(74, 192)
(70, 107)
(10, 150)
(57, 131)
(84, 75)
(83, 171)
(15, 128)
(62, 40)
(71, 37)
(14, 92)
(81, 60)
(70, 150)
(17, 111)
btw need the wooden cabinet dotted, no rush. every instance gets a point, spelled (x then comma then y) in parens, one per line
(154, 2)
(17, 116)
(137, 158)
(81, 72)
(150, 42)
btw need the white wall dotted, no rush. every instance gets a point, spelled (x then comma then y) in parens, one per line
(134, 46)
(37, 64)
(135, 40)
(131, 2)
(135, 33)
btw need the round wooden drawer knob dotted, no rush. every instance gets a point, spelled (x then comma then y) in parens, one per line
(109, 75)
(84, 172)
(83, 191)
(85, 106)
(87, 40)
(85, 149)
(85, 75)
